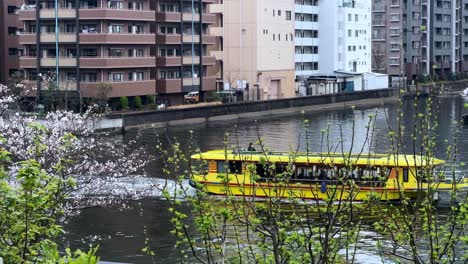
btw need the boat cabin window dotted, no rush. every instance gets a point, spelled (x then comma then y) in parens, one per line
(405, 175)
(361, 175)
(221, 166)
(234, 166)
(265, 172)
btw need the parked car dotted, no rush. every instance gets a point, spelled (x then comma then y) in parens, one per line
(192, 98)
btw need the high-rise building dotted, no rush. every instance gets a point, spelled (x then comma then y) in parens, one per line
(387, 37)
(306, 38)
(419, 37)
(333, 46)
(184, 46)
(139, 47)
(433, 38)
(258, 47)
(9, 27)
(345, 36)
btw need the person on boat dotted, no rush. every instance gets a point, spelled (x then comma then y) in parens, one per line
(251, 148)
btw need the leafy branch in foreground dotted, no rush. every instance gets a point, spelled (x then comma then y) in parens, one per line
(270, 222)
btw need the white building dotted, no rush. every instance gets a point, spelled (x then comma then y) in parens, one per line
(350, 33)
(306, 37)
(338, 51)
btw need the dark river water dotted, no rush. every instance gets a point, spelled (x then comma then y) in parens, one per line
(120, 229)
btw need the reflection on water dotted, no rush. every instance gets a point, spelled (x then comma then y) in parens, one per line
(120, 232)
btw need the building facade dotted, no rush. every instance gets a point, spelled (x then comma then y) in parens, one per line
(307, 38)
(435, 37)
(258, 47)
(9, 42)
(345, 44)
(183, 46)
(138, 47)
(387, 37)
(333, 45)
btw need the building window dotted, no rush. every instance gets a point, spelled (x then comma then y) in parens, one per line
(11, 9)
(136, 29)
(115, 77)
(136, 53)
(350, 32)
(135, 6)
(12, 51)
(115, 4)
(135, 76)
(89, 52)
(349, 17)
(88, 77)
(115, 28)
(15, 73)
(356, 17)
(116, 52)
(279, 12)
(288, 15)
(12, 31)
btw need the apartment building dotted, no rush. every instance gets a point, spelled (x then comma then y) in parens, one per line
(387, 37)
(307, 38)
(258, 47)
(433, 38)
(184, 44)
(139, 47)
(345, 44)
(339, 42)
(9, 26)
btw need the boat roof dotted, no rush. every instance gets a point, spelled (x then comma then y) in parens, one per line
(364, 159)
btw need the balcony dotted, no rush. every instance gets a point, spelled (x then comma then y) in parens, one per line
(107, 38)
(188, 17)
(28, 62)
(191, 38)
(27, 38)
(216, 31)
(117, 14)
(117, 62)
(169, 39)
(29, 14)
(63, 62)
(120, 89)
(378, 9)
(169, 86)
(217, 54)
(63, 37)
(62, 13)
(168, 17)
(216, 8)
(209, 18)
(168, 61)
(378, 22)
(31, 62)
(191, 81)
(209, 84)
(189, 60)
(378, 37)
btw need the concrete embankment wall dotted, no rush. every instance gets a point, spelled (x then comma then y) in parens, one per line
(258, 108)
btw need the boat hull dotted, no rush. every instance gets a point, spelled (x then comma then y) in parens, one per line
(304, 191)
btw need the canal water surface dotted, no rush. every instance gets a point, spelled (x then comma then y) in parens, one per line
(120, 229)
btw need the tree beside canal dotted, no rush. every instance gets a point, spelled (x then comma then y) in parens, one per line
(229, 229)
(40, 159)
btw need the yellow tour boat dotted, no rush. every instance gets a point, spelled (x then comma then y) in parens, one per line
(319, 176)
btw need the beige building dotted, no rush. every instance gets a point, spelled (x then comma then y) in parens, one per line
(258, 47)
